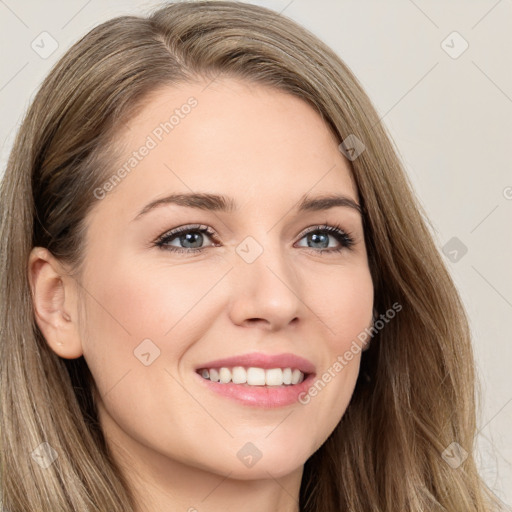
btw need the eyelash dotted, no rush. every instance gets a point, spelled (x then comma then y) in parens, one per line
(344, 237)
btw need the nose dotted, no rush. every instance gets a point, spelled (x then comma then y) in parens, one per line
(266, 292)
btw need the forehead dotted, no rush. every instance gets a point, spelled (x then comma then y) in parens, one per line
(230, 137)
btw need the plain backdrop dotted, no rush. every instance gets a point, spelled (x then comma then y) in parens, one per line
(440, 75)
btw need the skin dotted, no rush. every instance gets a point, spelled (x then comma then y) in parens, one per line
(175, 441)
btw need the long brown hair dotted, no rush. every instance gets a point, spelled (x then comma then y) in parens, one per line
(415, 395)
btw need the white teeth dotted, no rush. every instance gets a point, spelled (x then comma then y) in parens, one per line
(224, 375)
(239, 375)
(274, 377)
(254, 376)
(297, 376)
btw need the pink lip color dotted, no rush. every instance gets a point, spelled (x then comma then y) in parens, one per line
(260, 360)
(260, 396)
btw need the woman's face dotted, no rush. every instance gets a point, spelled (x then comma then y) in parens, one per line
(264, 279)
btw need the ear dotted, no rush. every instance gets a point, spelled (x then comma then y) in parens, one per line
(55, 303)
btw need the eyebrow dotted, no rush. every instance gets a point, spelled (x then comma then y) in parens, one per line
(218, 202)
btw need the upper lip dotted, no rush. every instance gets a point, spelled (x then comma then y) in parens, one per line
(260, 360)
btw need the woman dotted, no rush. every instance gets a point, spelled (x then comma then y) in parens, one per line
(308, 351)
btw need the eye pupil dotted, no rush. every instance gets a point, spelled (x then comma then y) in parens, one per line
(192, 237)
(319, 239)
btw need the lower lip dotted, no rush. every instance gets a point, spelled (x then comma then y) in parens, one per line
(260, 396)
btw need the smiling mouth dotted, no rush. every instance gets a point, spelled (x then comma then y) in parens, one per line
(254, 376)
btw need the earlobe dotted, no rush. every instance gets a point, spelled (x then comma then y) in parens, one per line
(54, 303)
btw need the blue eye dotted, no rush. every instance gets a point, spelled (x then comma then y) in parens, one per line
(190, 239)
(319, 236)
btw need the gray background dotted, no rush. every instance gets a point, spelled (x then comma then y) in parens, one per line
(450, 116)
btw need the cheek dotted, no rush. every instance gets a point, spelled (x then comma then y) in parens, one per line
(343, 304)
(140, 322)
(140, 302)
(130, 303)
(342, 299)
